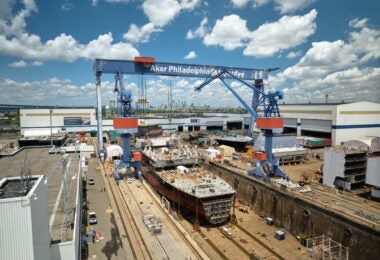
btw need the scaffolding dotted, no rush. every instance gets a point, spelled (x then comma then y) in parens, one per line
(323, 247)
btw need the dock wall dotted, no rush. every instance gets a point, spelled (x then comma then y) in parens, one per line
(300, 217)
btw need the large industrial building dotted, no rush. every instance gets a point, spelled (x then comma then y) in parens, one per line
(41, 215)
(340, 122)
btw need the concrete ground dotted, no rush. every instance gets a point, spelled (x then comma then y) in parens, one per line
(289, 248)
(108, 246)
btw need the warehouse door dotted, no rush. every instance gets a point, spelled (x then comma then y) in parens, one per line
(316, 125)
(234, 125)
(214, 125)
(290, 126)
(246, 122)
(290, 122)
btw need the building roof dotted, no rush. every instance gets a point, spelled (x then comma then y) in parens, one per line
(41, 163)
(15, 187)
(312, 104)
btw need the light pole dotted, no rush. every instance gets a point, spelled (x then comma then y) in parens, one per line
(51, 128)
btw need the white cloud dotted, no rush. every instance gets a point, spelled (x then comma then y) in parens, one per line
(14, 25)
(339, 68)
(94, 2)
(118, 1)
(67, 6)
(162, 12)
(18, 64)
(199, 32)
(15, 41)
(137, 34)
(30, 5)
(37, 63)
(290, 6)
(239, 3)
(358, 23)
(66, 48)
(350, 85)
(55, 91)
(293, 54)
(283, 6)
(6, 8)
(22, 63)
(230, 32)
(102, 47)
(189, 4)
(288, 32)
(191, 55)
(326, 57)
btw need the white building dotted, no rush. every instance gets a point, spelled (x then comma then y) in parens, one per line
(340, 122)
(30, 227)
(59, 119)
(24, 222)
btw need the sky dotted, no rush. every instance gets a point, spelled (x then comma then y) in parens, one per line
(321, 47)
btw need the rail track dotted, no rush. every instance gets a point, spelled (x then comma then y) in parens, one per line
(248, 245)
(140, 250)
(194, 250)
(260, 248)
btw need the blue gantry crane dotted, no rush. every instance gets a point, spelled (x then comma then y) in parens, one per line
(267, 165)
(126, 124)
(149, 66)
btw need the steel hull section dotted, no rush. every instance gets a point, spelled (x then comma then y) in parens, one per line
(237, 144)
(201, 208)
(171, 163)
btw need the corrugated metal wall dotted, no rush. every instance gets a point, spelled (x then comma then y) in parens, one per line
(40, 220)
(16, 238)
(24, 226)
(373, 176)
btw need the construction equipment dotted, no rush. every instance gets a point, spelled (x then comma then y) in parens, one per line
(267, 165)
(149, 66)
(126, 124)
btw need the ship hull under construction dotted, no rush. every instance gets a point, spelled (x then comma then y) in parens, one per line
(238, 143)
(213, 210)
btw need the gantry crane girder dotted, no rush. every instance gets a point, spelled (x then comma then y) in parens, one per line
(148, 66)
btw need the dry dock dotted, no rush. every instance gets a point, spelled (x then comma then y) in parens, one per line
(132, 200)
(352, 221)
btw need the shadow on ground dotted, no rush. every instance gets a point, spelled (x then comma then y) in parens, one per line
(112, 246)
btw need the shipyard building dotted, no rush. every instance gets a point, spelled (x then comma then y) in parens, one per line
(338, 122)
(41, 215)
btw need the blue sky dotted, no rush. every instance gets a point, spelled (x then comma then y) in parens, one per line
(321, 47)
